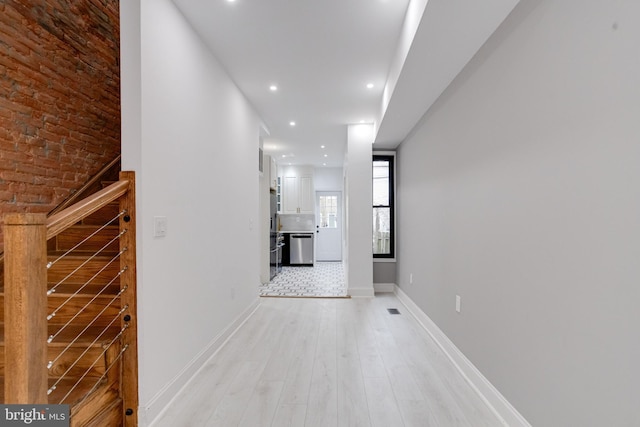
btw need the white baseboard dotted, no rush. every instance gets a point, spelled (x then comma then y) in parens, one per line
(381, 288)
(508, 415)
(154, 409)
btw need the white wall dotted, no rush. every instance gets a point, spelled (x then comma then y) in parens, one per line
(384, 272)
(130, 84)
(328, 179)
(358, 205)
(265, 222)
(518, 191)
(197, 166)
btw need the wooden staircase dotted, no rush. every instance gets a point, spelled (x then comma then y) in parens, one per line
(91, 313)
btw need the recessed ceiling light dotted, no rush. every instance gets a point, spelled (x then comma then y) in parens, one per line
(324, 164)
(292, 123)
(369, 85)
(326, 155)
(231, 1)
(284, 155)
(361, 121)
(273, 88)
(322, 146)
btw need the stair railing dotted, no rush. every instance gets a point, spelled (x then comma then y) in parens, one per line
(27, 333)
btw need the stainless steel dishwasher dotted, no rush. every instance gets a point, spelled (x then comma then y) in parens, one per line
(301, 247)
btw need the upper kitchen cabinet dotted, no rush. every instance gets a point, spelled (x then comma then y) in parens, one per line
(297, 190)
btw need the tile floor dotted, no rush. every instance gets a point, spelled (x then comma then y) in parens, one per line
(323, 280)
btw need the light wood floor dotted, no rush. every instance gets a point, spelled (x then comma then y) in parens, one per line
(329, 362)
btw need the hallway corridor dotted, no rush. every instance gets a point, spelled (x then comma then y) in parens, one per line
(328, 362)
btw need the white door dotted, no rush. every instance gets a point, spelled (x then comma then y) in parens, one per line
(328, 226)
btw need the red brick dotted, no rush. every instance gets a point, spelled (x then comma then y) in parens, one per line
(31, 169)
(16, 177)
(59, 98)
(14, 156)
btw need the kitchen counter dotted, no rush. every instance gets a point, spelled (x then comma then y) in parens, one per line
(296, 231)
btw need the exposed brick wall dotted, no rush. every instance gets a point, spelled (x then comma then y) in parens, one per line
(59, 98)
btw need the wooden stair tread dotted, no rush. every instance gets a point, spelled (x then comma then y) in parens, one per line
(84, 357)
(87, 337)
(83, 236)
(101, 311)
(70, 332)
(89, 226)
(109, 411)
(98, 270)
(78, 257)
(90, 289)
(108, 252)
(79, 393)
(54, 255)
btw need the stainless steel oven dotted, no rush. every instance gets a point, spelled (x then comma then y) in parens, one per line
(273, 258)
(275, 254)
(276, 241)
(279, 246)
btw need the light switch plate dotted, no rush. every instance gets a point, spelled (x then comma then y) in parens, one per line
(458, 303)
(159, 226)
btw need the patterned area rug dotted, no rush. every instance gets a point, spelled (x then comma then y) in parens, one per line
(323, 280)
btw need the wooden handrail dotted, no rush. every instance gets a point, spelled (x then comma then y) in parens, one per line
(62, 220)
(97, 177)
(69, 201)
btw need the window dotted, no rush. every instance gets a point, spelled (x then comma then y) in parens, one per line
(328, 211)
(383, 202)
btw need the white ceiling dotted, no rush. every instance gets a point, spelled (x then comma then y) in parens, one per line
(322, 54)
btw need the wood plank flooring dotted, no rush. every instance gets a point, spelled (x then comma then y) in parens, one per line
(329, 362)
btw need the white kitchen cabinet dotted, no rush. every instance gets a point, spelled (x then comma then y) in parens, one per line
(289, 194)
(298, 191)
(306, 199)
(279, 194)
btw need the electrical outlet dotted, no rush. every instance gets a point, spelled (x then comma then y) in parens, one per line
(458, 303)
(411, 279)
